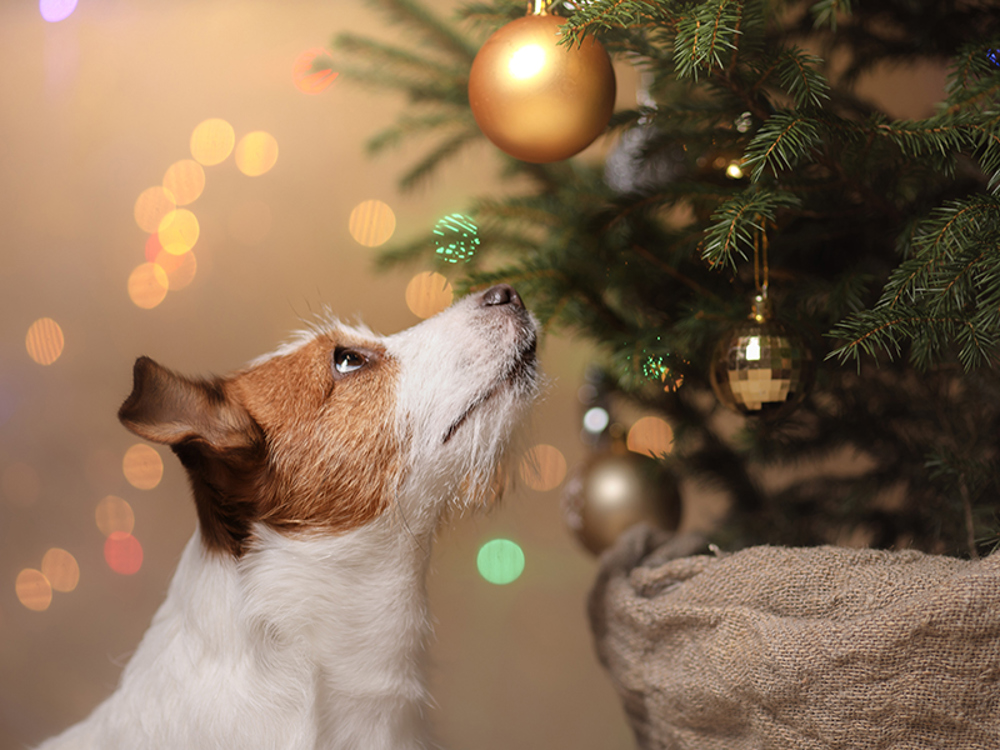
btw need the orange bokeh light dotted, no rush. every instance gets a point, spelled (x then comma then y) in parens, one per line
(428, 293)
(543, 467)
(33, 589)
(256, 153)
(62, 570)
(123, 553)
(44, 341)
(185, 181)
(651, 436)
(142, 466)
(212, 141)
(151, 206)
(178, 231)
(114, 514)
(372, 223)
(312, 72)
(147, 285)
(180, 269)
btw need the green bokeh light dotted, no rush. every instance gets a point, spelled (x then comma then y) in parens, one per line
(500, 561)
(456, 238)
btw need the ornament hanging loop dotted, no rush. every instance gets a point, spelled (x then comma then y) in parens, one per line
(538, 7)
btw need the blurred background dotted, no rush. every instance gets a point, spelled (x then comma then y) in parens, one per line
(196, 147)
(185, 180)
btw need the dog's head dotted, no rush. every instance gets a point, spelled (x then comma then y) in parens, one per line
(332, 429)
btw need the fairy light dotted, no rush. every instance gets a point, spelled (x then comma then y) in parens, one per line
(371, 223)
(147, 285)
(428, 293)
(114, 514)
(543, 467)
(54, 11)
(312, 72)
(212, 141)
(185, 181)
(142, 466)
(651, 436)
(151, 206)
(500, 561)
(456, 238)
(61, 570)
(44, 341)
(256, 153)
(123, 553)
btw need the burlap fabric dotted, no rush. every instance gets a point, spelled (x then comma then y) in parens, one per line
(797, 649)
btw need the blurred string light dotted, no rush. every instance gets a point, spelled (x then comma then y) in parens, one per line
(147, 285)
(114, 514)
(371, 223)
(142, 466)
(185, 181)
(33, 589)
(180, 269)
(44, 341)
(61, 569)
(651, 436)
(428, 293)
(500, 561)
(212, 141)
(596, 420)
(456, 238)
(151, 206)
(123, 553)
(312, 72)
(54, 11)
(256, 153)
(543, 467)
(178, 231)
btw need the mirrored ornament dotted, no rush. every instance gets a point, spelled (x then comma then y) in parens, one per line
(760, 367)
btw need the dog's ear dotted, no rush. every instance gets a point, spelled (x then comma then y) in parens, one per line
(168, 408)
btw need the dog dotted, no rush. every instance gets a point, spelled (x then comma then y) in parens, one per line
(297, 617)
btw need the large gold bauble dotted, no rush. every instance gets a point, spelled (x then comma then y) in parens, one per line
(537, 100)
(760, 368)
(615, 491)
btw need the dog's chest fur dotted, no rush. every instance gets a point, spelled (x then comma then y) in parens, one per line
(297, 617)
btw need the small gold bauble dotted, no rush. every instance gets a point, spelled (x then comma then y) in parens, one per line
(536, 99)
(615, 491)
(760, 368)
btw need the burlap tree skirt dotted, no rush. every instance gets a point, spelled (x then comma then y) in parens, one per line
(800, 648)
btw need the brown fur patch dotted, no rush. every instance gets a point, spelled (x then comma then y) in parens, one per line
(333, 457)
(287, 442)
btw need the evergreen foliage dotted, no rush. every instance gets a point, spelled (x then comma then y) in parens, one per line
(883, 237)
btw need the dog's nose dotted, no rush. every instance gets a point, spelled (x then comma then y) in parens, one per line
(501, 294)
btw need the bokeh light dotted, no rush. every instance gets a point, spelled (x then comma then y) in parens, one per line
(147, 285)
(212, 141)
(428, 293)
(142, 466)
(372, 223)
(61, 569)
(456, 238)
(20, 484)
(250, 222)
(54, 11)
(180, 269)
(123, 553)
(256, 153)
(312, 72)
(114, 514)
(543, 467)
(651, 436)
(151, 206)
(596, 420)
(500, 561)
(44, 341)
(178, 231)
(33, 589)
(185, 181)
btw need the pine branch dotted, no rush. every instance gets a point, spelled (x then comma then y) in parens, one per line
(739, 221)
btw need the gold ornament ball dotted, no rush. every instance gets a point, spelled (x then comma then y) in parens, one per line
(760, 368)
(615, 491)
(536, 99)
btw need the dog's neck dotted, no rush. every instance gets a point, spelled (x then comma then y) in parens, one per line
(306, 643)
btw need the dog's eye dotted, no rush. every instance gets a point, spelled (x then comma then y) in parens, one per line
(348, 360)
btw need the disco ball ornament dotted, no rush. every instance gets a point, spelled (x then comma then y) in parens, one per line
(536, 99)
(760, 368)
(616, 490)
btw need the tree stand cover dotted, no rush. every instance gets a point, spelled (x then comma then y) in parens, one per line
(797, 649)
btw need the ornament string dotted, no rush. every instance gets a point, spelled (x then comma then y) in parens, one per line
(760, 261)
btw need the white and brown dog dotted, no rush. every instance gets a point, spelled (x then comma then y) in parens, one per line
(297, 617)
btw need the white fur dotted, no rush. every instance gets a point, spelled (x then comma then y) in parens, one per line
(317, 640)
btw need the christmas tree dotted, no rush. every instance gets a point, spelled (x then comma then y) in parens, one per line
(751, 164)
